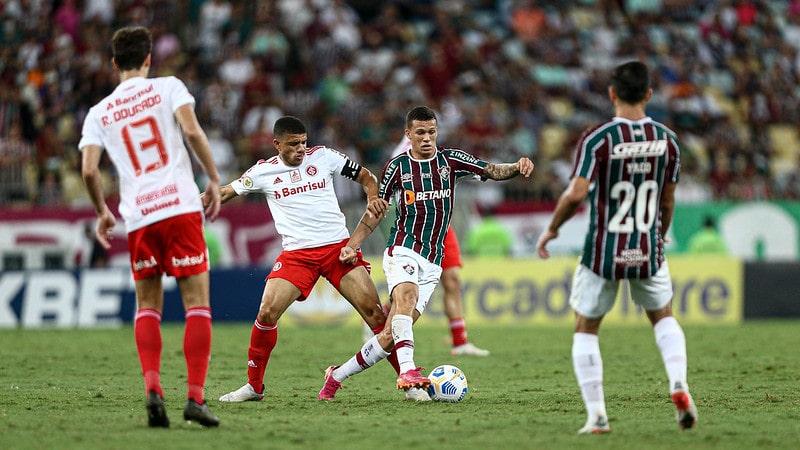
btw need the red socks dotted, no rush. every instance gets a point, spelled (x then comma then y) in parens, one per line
(197, 350)
(263, 338)
(458, 329)
(147, 334)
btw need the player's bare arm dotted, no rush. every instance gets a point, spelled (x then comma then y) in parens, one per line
(567, 204)
(226, 193)
(667, 207)
(365, 227)
(90, 172)
(507, 171)
(198, 143)
(376, 206)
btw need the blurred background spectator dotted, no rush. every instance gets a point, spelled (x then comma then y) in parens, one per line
(489, 238)
(707, 240)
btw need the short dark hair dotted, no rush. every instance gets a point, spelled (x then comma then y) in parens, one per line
(130, 47)
(421, 113)
(288, 125)
(631, 81)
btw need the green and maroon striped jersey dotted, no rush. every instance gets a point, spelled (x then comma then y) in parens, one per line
(423, 195)
(628, 163)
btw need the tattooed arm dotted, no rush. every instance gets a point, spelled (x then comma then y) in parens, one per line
(506, 171)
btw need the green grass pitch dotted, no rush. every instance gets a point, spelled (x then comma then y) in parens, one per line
(65, 389)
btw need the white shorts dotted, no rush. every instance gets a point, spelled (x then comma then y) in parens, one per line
(407, 266)
(593, 296)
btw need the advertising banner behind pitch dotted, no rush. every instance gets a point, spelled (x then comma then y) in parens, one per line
(536, 292)
(502, 291)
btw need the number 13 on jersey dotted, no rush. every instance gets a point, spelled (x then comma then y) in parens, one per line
(148, 139)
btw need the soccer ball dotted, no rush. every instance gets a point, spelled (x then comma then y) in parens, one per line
(448, 384)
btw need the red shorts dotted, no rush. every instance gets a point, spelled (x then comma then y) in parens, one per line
(174, 246)
(452, 252)
(303, 267)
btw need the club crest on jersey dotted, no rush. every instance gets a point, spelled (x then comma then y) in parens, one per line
(639, 149)
(247, 182)
(409, 269)
(444, 172)
(278, 265)
(295, 176)
(311, 170)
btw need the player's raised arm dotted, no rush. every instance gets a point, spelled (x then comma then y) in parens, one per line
(507, 171)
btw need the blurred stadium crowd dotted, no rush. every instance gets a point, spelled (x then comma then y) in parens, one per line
(507, 77)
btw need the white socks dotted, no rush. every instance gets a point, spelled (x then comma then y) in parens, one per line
(370, 353)
(588, 367)
(671, 343)
(588, 363)
(403, 341)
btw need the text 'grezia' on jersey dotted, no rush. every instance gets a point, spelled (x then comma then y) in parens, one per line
(310, 186)
(639, 149)
(411, 196)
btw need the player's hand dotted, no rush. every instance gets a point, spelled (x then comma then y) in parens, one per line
(541, 246)
(348, 255)
(105, 225)
(525, 167)
(211, 200)
(377, 207)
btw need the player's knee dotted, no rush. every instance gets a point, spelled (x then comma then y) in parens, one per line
(405, 304)
(374, 316)
(267, 314)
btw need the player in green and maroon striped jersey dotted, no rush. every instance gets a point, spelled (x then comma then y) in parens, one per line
(421, 183)
(628, 167)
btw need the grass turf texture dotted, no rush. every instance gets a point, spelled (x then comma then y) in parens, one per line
(82, 389)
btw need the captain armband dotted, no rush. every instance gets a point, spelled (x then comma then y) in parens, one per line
(351, 169)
